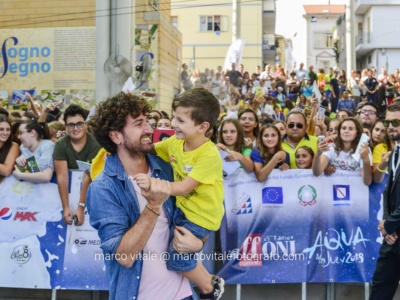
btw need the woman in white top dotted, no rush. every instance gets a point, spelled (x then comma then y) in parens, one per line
(339, 154)
(35, 142)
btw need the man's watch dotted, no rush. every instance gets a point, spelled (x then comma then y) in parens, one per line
(82, 204)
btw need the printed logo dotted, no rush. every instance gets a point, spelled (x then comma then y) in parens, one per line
(243, 205)
(21, 254)
(307, 195)
(187, 168)
(25, 216)
(80, 242)
(250, 252)
(272, 195)
(341, 194)
(5, 213)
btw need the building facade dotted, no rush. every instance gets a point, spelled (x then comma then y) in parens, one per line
(208, 29)
(321, 22)
(376, 31)
(52, 46)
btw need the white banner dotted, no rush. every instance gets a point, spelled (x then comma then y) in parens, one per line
(234, 54)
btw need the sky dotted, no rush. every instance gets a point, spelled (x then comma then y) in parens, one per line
(289, 21)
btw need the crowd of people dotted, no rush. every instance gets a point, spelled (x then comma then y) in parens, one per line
(269, 120)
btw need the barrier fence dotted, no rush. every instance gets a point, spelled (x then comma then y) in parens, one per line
(293, 228)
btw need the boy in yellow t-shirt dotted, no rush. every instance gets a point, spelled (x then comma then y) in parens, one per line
(198, 183)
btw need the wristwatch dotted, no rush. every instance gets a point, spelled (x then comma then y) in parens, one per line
(82, 204)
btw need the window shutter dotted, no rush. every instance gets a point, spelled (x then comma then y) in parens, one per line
(224, 23)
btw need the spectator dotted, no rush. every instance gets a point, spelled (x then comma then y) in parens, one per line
(35, 141)
(77, 145)
(9, 150)
(346, 103)
(281, 125)
(156, 113)
(368, 115)
(304, 157)
(311, 74)
(185, 78)
(296, 135)
(249, 120)
(231, 140)
(371, 86)
(333, 130)
(340, 154)
(55, 128)
(152, 121)
(164, 123)
(301, 73)
(234, 76)
(268, 155)
(278, 115)
(344, 113)
(378, 134)
(334, 94)
(342, 79)
(356, 91)
(216, 85)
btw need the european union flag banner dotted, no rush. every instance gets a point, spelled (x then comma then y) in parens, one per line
(300, 228)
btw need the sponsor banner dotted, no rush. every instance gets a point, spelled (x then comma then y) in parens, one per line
(295, 227)
(234, 54)
(38, 249)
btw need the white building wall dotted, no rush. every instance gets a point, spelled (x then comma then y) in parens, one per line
(320, 57)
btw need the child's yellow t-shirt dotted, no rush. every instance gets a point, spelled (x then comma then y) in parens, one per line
(204, 205)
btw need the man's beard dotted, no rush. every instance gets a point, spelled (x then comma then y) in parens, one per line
(137, 150)
(395, 137)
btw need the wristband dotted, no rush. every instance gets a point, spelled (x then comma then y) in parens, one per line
(82, 204)
(382, 171)
(157, 213)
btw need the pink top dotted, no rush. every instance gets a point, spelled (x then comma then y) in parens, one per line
(157, 282)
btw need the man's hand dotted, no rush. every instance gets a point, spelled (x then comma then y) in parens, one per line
(80, 213)
(68, 216)
(185, 242)
(391, 238)
(143, 181)
(381, 228)
(159, 192)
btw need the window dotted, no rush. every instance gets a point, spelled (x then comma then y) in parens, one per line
(213, 23)
(323, 40)
(174, 21)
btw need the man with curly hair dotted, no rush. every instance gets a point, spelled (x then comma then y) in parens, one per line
(134, 227)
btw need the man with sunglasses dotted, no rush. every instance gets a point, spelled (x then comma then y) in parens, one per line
(296, 135)
(387, 273)
(78, 144)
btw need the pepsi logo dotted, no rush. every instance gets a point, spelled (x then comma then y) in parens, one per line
(5, 213)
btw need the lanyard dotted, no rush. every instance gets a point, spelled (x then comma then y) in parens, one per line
(394, 167)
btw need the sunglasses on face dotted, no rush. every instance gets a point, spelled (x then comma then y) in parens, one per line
(298, 125)
(395, 123)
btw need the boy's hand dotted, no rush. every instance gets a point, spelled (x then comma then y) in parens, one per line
(143, 181)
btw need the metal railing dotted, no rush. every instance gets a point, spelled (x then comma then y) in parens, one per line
(363, 38)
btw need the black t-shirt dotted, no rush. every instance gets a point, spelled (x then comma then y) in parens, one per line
(335, 86)
(234, 77)
(371, 83)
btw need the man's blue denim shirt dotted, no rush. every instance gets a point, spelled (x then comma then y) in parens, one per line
(113, 208)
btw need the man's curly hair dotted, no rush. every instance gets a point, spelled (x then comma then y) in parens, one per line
(111, 115)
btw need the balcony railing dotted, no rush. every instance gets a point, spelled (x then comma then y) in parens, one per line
(363, 38)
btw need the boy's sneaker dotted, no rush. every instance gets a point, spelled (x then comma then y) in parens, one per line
(218, 284)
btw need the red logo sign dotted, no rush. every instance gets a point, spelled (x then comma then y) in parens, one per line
(250, 252)
(25, 216)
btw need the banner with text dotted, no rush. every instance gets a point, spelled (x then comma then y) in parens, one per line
(295, 227)
(38, 249)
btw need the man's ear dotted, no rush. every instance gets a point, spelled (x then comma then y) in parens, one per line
(204, 127)
(115, 136)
